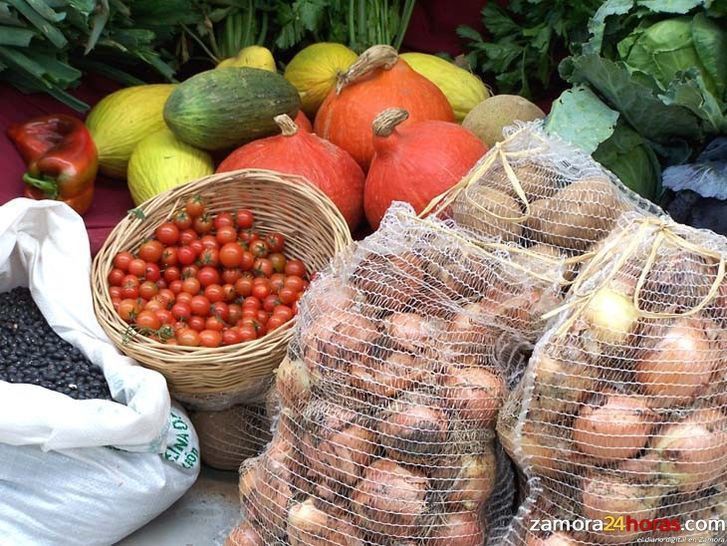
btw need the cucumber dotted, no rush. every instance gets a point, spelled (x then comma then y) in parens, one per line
(223, 108)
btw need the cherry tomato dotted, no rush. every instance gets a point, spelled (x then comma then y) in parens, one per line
(209, 241)
(186, 255)
(243, 287)
(172, 341)
(129, 308)
(248, 260)
(295, 267)
(210, 338)
(115, 291)
(214, 323)
(167, 233)
(247, 333)
(161, 283)
(224, 219)
(181, 311)
(172, 274)
(234, 313)
(244, 218)
(230, 276)
(277, 281)
(152, 273)
(122, 260)
(231, 254)
(155, 305)
(214, 293)
(116, 276)
(148, 320)
(187, 337)
(220, 309)
(198, 246)
(276, 241)
(137, 267)
(151, 251)
(263, 266)
(190, 271)
(165, 316)
(283, 311)
(287, 296)
(116, 302)
(195, 206)
(262, 319)
(294, 282)
(188, 236)
(226, 234)
(166, 296)
(209, 256)
(183, 220)
(259, 248)
(130, 287)
(294, 308)
(196, 323)
(170, 256)
(175, 286)
(208, 275)
(278, 260)
(251, 302)
(270, 302)
(276, 321)
(231, 336)
(202, 224)
(191, 285)
(148, 290)
(200, 306)
(261, 291)
(184, 297)
(228, 292)
(248, 236)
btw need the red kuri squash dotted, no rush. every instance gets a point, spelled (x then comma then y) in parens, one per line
(415, 162)
(295, 151)
(376, 81)
(302, 121)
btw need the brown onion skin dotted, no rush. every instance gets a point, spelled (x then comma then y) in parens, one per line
(616, 430)
(678, 365)
(459, 529)
(409, 331)
(413, 432)
(309, 525)
(476, 393)
(293, 383)
(244, 535)
(469, 479)
(390, 500)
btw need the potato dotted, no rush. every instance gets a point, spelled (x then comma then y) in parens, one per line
(484, 223)
(577, 216)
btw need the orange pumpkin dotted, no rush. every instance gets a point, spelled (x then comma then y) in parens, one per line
(302, 121)
(415, 162)
(376, 81)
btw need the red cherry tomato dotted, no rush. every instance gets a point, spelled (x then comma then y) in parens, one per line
(229, 292)
(274, 322)
(161, 283)
(122, 260)
(195, 206)
(277, 281)
(152, 272)
(191, 285)
(208, 275)
(287, 296)
(226, 234)
(187, 337)
(295, 267)
(209, 256)
(188, 236)
(148, 320)
(243, 286)
(283, 311)
(234, 313)
(259, 248)
(202, 224)
(148, 290)
(151, 251)
(278, 260)
(244, 219)
(294, 283)
(196, 323)
(167, 233)
(190, 271)
(137, 267)
(270, 302)
(184, 297)
(197, 246)
(182, 220)
(165, 316)
(186, 255)
(248, 260)
(221, 310)
(175, 286)
(276, 241)
(251, 302)
(231, 254)
(172, 274)
(261, 291)
(210, 338)
(231, 336)
(116, 276)
(224, 219)
(263, 266)
(247, 333)
(115, 292)
(181, 311)
(200, 306)
(129, 308)
(130, 287)
(166, 296)
(169, 256)
(230, 276)
(214, 293)
(209, 241)
(214, 323)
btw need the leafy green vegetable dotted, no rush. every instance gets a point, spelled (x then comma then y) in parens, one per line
(524, 42)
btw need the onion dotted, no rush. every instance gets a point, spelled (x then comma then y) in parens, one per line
(617, 429)
(476, 393)
(413, 430)
(337, 447)
(390, 500)
(681, 361)
(244, 535)
(611, 315)
(473, 327)
(311, 526)
(459, 529)
(409, 331)
(607, 495)
(293, 383)
(468, 480)
(333, 295)
(390, 282)
(693, 453)
(560, 384)
(377, 381)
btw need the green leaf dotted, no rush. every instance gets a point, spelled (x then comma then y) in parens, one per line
(497, 21)
(689, 90)
(671, 6)
(85, 7)
(637, 103)
(468, 33)
(18, 37)
(7, 18)
(55, 36)
(578, 116)
(710, 42)
(597, 24)
(45, 11)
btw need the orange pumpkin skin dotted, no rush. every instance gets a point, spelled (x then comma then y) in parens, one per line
(302, 121)
(345, 118)
(417, 162)
(305, 154)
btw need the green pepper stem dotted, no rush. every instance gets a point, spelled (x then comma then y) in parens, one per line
(48, 187)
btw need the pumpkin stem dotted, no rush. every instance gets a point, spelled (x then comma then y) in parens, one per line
(378, 56)
(287, 126)
(387, 120)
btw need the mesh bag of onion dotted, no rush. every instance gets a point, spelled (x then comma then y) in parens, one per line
(535, 191)
(619, 423)
(403, 354)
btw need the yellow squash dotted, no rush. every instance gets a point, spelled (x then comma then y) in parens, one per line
(313, 72)
(121, 120)
(253, 56)
(463, 90)
(161, 162)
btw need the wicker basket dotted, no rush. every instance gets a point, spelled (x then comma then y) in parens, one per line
(214, 379)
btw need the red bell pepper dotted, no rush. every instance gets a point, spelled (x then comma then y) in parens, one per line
(62, 159)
